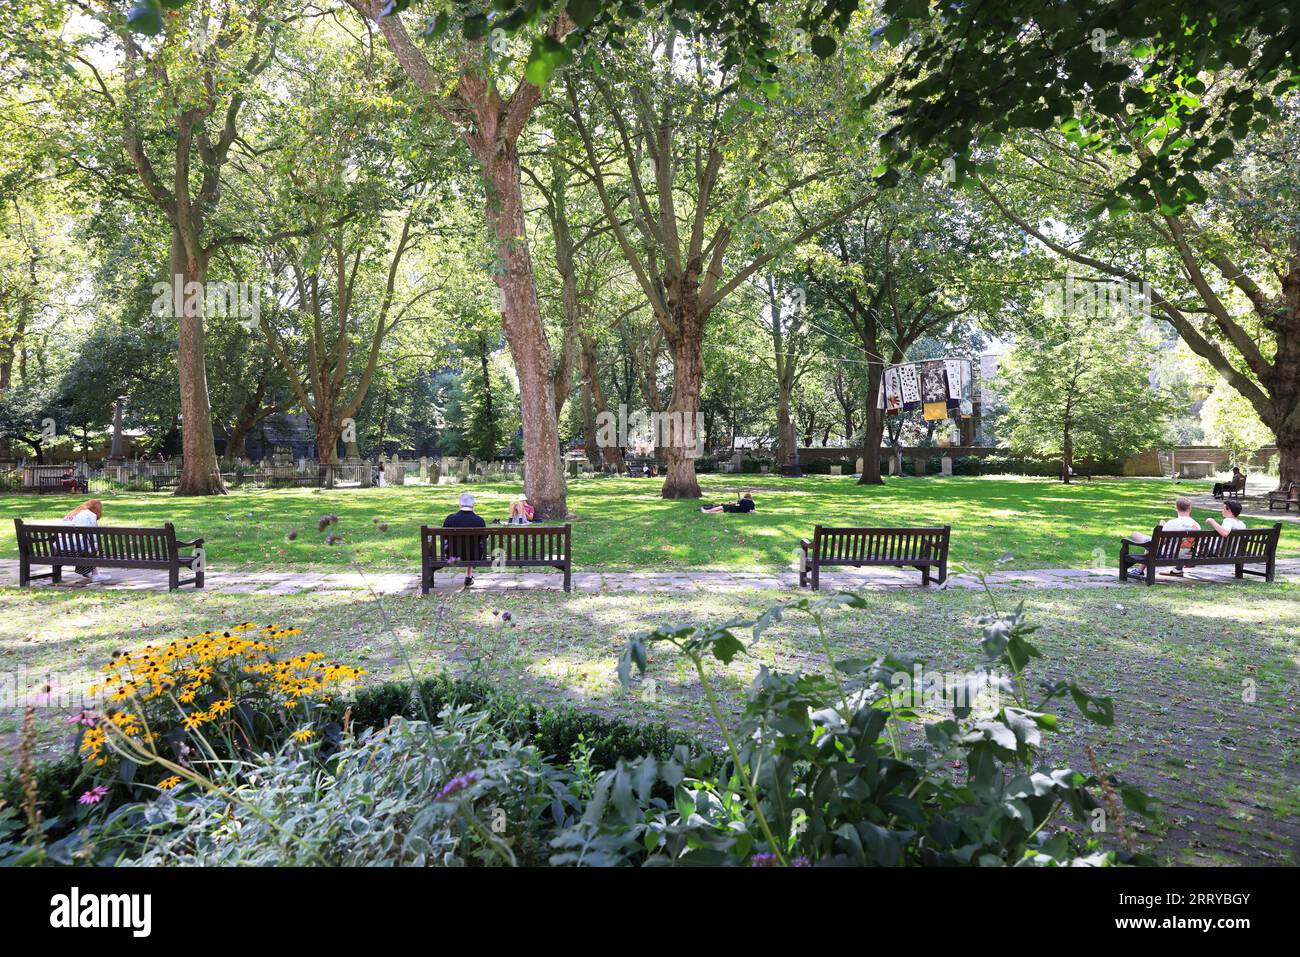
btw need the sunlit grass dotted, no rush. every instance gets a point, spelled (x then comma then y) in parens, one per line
(623, 524)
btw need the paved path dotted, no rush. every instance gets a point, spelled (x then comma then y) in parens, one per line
(387, 582)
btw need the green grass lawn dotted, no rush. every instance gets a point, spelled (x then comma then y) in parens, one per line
(624, 524)
(1177, 662)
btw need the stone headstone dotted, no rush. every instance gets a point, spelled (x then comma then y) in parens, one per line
(424, 468)
(945, 465)
(837, 470)
(860, 468)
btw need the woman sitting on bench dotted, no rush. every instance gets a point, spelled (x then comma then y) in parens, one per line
(744, 504)
(87, 515)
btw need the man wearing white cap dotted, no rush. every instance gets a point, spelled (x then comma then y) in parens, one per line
(470, 552)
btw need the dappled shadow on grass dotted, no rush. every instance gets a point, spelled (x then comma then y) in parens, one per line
(1175, 661)
(623, 524)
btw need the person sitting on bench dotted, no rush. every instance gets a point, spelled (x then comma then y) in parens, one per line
(1183, 523)
(744, 504)
(1221, 487)
(1231, 520)
(87, 515)
(466, 518)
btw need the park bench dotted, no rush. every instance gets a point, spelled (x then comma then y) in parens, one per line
(57, 483)
(104, 546)
(1284, 500)
(925, 549)
(1237, 489)
(1242, 547)
(161, 482)
(497, 547)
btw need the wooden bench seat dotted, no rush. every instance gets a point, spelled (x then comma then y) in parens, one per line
(925, 549)
(104, 546)
(161, 482)
(1284, 500)
(496, 547)
(1169, 549)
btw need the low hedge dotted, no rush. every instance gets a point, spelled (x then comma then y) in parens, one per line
(553, 729)
(823, 466)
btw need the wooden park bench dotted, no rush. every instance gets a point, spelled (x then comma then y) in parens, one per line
(1237, 488)
(161, 482)
(103, 546)
(925, 549)
(57, 483)
(1284, 500)
(496, 547)
(1242, 547)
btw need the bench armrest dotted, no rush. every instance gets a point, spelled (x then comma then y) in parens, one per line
(1134, 544)
(190, 544)
(805, 544)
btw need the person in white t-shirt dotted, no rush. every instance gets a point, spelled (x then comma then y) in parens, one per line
(1231, 520)
(87, 515)
(1183, 522)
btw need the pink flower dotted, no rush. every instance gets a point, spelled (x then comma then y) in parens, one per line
(86, 717)
(94, 795)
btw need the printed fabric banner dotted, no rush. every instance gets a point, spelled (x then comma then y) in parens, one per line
(934, 390)
(893, 392)
(967, 387)
(909, 381)
(952, 372)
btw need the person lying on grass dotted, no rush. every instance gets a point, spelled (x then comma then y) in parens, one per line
(1182, 523)
(743, 504)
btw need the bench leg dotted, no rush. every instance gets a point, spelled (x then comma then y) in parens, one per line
(426, 579)
(1151, 573)
(173, 577)
(1240, 572)
(24, 572)
(816, 576)
(56, 573)
(925, 576)
(943, 573)
(1269, 568)
(568, 578)
(198, 578)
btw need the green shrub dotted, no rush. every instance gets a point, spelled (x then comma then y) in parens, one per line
(823, 466)
(554, 730)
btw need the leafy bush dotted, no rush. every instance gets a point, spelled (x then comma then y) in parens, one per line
(410, 794)
(818, 772)
(823, 466)
(556, 731)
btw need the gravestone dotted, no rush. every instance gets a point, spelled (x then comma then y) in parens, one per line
(860, 469)
(424, 468)
(837, 470)
(945, 465)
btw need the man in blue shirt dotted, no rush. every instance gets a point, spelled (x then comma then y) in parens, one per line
(470, 550)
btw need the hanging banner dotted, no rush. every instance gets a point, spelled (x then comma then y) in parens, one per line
(934, 390)
(952, 373)
(967, 390)
(909, 381)
(880, 395)
(893, 392)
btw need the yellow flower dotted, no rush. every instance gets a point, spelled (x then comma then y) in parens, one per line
(303, 735)
(168, 783)
(221, 707)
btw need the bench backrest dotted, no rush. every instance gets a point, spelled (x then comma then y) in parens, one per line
(1207, 543)
(106, 542)
(845, 544)
(513, 543)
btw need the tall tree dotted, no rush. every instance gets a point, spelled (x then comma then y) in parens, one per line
(490, 123)
(693, 177)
